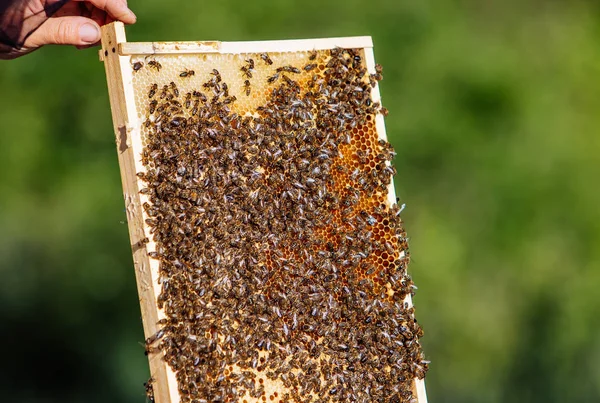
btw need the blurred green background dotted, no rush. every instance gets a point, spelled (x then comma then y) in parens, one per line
(494, 114)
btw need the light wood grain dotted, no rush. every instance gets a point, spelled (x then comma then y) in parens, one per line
(127, 137)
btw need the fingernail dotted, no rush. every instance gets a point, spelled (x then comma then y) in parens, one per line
(89, 33)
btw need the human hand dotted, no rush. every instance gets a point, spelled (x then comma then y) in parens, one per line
(26, 25)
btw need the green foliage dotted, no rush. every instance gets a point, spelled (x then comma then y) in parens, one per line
(494, 114)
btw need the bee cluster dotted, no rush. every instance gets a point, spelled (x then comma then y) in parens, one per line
(281, 261)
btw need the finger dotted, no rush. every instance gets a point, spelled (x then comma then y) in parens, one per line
(99, 16)
(85, 10)
(87, 46)
(78, 31)
(116, 8)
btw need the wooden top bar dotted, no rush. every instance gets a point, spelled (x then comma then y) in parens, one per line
(292, 45)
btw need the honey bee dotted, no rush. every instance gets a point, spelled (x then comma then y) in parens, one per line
(246, 72)
(273, 78)
(217, 75)
(250, 64)
(153, 106)
(266, 58)
(187, 73)
(247, 87)
(153, 90)
(288, 69)
(156, 336)
(155, 65)
(312, 55)
(174, 89)
(200, 96)
(137, 66)
(290, 82)
(149, 390)
(310, 67)
(357, 59)
(229, 100)
(164, 92)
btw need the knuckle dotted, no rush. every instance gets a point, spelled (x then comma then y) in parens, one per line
(64, 32)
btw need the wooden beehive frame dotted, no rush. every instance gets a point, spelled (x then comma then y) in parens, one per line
(116, 53)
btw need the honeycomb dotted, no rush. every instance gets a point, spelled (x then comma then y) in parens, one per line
(281, 261)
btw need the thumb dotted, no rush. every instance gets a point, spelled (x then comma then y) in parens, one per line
(77, 31)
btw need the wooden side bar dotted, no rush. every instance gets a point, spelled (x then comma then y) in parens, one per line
(128, 140)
